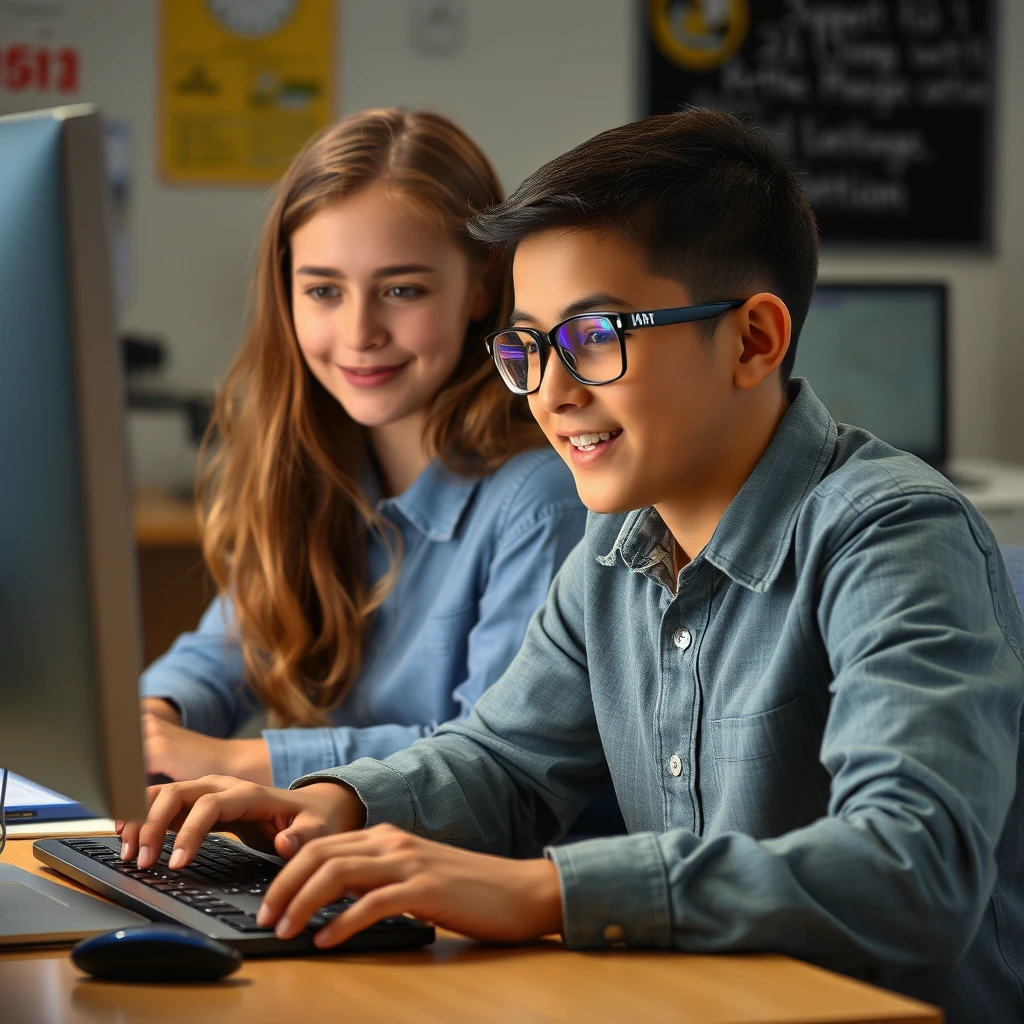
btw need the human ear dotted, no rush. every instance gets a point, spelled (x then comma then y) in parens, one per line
(486, 282)
(765, 327)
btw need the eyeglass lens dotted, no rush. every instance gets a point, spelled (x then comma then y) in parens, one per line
(588, 345)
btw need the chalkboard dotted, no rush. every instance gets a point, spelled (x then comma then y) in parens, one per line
(887, 105)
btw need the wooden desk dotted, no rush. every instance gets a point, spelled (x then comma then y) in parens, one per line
(174, 586)
(163, 520)
(457, 980)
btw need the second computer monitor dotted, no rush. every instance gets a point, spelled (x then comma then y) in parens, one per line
(875, 354)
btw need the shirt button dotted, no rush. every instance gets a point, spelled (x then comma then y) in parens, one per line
(613, 933)
(682, 638)
(675, 765)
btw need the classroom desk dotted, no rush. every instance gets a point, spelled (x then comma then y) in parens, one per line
(456, 980)
(164, 520)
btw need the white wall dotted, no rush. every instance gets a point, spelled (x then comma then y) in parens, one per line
(527, 85)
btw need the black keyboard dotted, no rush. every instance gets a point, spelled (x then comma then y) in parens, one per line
(218, 894)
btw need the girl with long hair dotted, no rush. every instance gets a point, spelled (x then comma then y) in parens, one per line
(379, 513)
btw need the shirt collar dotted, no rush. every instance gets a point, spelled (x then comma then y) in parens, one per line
(434, 503)
(752, 540)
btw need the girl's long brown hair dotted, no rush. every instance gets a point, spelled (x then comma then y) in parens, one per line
(285, 519)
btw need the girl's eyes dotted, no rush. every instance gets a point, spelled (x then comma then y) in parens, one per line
(327, 292)
(403, 291)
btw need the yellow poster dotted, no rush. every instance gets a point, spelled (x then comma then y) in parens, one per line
(243, 84)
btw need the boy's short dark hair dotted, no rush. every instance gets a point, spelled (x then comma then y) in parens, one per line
(706, 196)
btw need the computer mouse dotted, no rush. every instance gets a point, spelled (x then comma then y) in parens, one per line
(155, 952)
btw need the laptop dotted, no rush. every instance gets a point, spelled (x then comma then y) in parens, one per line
(38, 912)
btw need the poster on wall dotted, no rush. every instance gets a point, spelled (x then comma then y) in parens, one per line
(886, 105)
(243, 84)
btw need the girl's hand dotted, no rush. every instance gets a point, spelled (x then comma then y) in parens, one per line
(393, 872)
(161, 708)
(277, 820)
(180, 753)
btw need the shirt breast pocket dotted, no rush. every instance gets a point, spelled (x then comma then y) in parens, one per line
(446, 635)
(767, 772)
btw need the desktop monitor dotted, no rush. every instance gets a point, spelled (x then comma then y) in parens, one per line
(69, 621)
(875, 354)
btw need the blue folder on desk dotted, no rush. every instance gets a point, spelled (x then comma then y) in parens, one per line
(27, 801)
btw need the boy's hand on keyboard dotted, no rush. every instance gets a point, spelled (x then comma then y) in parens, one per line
(278, 819)
(181, 753)
(392, 872)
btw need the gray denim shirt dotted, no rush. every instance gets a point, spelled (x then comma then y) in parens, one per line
(814, 740)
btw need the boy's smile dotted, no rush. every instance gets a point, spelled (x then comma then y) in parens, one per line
(588, 447)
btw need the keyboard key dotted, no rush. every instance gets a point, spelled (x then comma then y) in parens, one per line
(241, 922)
(201, 901)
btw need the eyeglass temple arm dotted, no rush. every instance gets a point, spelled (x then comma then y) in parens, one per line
(679, 315)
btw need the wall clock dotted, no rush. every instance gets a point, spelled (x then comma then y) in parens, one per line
(252, 17)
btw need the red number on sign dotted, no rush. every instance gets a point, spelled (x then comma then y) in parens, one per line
(17, 69)
(22, 66)
(67, 78)
(42, 69)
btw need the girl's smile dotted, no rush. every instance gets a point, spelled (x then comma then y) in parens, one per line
(371, 376)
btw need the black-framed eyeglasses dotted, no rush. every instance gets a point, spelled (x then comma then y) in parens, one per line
(591, 346)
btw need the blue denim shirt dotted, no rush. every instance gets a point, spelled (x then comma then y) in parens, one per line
(814, 740)
(478, 558)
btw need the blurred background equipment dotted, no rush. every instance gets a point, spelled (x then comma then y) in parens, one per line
(175, 587)
(875, 354)
(143, 359)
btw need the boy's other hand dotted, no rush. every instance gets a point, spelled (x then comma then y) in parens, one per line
(277, 820)
(393, 872)
(180, 753)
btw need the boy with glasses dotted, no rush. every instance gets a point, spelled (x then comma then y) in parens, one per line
(792, 649)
